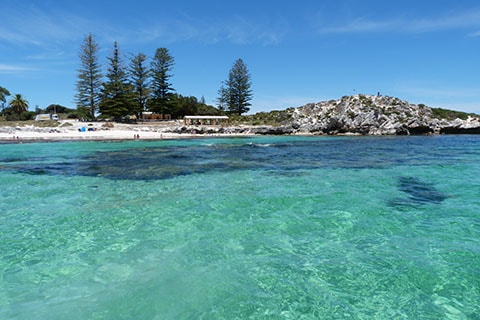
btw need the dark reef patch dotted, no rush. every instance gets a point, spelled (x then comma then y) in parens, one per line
(286, 157)
(418, 193)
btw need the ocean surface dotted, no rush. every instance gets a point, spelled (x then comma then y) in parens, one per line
(241, 228)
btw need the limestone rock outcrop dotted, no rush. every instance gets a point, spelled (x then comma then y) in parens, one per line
(375, 115)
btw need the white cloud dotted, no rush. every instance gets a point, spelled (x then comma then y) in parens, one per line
(30, 25)
(359, 25)
(453, 20)
(50, 27)
(8, 68)
(474, 34)
(237, 30)
(243, 31)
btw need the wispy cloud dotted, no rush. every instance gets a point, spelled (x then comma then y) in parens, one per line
(358, 25)
(450, 21)
(237, 30)
(9, 69)
(244, 31)
(39, 27)
(51, 27)
(474, 34)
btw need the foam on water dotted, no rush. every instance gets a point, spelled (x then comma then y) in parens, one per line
(260, 228)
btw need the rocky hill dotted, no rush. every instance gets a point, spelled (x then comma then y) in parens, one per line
(370, 115)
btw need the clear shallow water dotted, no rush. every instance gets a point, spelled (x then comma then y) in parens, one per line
(246, 228)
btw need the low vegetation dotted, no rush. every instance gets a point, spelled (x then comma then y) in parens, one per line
(451, 114)
(272, 118)
(24, 123)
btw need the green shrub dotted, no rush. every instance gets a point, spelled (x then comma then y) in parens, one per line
(440, 113)
(273, 118)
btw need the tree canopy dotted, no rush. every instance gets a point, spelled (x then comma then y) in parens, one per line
(143, 84)
(117, 99)
(140, 77)
(235, 93)
(4, 93)
(18, 105)
(89, 76)
(162, 90)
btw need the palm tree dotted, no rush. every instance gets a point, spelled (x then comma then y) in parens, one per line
(18, 104)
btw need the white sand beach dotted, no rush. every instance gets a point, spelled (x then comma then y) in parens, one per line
(77, 130)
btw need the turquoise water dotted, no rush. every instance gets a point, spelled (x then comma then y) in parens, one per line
(244, 228)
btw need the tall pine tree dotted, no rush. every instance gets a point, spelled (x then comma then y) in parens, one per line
(235, 93)
(3, 97)
(89, 76)
(162, 90)
(140, 77)
(117, 93)
(3, 94)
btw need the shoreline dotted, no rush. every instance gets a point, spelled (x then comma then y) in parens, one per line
(95, 131)
(73, 130)
(18, 139)
(113, 135)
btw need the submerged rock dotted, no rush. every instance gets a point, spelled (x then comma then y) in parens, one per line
(420, 191)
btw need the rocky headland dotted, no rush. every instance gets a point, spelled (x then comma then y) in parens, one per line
(370, 115)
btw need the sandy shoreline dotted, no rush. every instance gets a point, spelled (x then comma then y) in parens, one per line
(88, 131)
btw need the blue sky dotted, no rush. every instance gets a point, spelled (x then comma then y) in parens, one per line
(296, 51)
